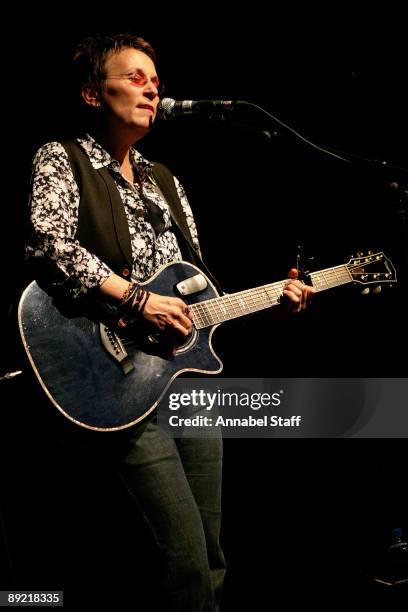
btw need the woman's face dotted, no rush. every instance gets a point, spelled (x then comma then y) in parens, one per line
(129, 96)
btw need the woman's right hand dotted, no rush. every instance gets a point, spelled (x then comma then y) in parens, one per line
(168, 314)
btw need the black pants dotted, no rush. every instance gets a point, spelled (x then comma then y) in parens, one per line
(177, 486)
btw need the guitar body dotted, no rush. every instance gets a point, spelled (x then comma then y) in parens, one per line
(85, 382)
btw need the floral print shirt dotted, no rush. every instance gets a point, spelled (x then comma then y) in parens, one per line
(54, 205)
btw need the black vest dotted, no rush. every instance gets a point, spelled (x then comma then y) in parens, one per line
(102, 225)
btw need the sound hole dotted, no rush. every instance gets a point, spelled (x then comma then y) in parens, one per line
(156, 338)
(154, 342)
(188, 342)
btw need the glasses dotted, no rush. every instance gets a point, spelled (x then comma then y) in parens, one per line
(140, 79)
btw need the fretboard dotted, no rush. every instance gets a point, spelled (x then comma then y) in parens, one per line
(227, 307)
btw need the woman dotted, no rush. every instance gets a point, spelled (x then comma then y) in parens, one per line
(176, 484)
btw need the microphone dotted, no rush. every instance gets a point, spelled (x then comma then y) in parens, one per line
(169, 108)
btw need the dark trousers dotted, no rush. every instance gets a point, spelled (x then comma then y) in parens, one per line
(177, 486)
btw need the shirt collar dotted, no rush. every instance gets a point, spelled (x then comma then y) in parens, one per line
(100, 158)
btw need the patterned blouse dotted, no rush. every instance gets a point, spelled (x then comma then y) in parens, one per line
(54, 205)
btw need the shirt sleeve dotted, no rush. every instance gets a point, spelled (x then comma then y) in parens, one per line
(188, 213)
(53, 219)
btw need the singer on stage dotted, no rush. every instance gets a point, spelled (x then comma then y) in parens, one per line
(87, 255)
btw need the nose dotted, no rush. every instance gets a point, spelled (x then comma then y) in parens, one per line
(151, 90)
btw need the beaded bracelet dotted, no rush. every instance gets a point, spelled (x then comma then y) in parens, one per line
(131, 288)
(134, 305)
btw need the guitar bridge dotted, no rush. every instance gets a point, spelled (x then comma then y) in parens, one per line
(113, 345)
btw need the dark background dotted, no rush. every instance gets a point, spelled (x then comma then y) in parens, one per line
(302, 518)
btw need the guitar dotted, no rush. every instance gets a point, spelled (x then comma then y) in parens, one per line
(106, 382)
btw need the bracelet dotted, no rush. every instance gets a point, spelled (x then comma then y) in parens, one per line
(143, 302)
(128, 292)
(133, 306)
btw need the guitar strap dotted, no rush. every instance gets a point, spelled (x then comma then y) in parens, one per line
(164, 180)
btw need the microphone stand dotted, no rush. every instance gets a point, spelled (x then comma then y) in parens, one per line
(341, 155)
(244, 127)
(395, 176)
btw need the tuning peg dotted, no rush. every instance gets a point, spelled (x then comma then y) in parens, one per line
(377, 289)
(365, 291)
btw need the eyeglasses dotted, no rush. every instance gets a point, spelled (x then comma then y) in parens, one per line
(140, 79)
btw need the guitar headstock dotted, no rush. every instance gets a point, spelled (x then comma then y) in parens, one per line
(373, 268)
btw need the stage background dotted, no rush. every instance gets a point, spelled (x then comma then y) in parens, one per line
(337, 78)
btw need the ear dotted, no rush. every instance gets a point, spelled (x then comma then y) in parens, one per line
(90, 96)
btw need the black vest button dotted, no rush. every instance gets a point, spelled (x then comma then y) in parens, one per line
(125, 272)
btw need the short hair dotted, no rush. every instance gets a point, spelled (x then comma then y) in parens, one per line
(92, 52)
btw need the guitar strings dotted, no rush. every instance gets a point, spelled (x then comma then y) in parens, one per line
(218, 309)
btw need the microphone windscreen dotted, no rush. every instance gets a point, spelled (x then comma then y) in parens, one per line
(164, 110)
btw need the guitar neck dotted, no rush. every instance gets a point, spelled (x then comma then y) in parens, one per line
(227, 307)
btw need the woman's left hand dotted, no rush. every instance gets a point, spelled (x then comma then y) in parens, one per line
(297, 293)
